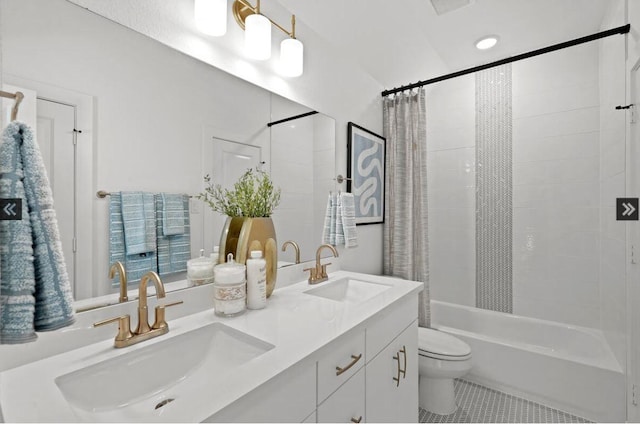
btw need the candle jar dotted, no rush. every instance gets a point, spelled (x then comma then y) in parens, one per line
(229, 288)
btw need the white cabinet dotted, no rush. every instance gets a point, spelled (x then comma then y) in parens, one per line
(392, 380)
(289, 397)
(368, 374)
(346, 404)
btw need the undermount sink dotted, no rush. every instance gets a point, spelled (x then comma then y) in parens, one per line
(145, 374)
(348, 290)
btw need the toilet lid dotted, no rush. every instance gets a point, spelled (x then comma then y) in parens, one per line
(441, 345)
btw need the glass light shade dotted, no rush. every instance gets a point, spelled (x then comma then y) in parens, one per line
(487, 42)
(257, 37)
(291, 57)
(211, 16)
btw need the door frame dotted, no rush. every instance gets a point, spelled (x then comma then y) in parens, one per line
(85, 187)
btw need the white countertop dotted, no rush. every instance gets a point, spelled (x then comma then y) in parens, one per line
(297, 325)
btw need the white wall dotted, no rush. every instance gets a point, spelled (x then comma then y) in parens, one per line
(613, 156)
(451, 181)
(555, 186)
(332, 83)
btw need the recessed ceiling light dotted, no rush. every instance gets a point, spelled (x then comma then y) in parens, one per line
(487, 42)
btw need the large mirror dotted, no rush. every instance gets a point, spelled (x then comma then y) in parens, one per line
(117, 111)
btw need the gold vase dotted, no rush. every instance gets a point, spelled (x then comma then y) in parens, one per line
(241, 235)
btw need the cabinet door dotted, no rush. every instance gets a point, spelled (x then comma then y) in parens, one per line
(346, 404)
(391, 395)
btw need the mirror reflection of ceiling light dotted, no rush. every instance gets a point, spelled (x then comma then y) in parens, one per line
(487, 42)
(211, 19)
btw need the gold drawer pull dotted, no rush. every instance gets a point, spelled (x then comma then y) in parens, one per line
(356, 420)
(352, 363)
(404, 354)
(400, 370)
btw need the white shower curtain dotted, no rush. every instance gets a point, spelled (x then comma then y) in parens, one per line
(405, 227)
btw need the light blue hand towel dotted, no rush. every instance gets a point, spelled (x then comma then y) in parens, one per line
(35, 292)
(173, 250)
(137, 264)
(139, 219)
(173, 214)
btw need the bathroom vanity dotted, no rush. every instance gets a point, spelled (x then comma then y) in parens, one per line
(343, 350)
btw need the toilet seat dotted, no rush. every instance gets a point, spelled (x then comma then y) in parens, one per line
(439, 345)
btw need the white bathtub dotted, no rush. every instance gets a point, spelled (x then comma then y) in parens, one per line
(566, 367)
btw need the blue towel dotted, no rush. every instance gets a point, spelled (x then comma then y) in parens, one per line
(173, 214)
(136, 265)
(139, 219)
(173, 250)
(35, 292)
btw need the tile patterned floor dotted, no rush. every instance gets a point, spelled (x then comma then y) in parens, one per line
(479, 404)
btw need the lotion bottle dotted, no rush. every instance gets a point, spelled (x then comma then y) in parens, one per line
(256, 281)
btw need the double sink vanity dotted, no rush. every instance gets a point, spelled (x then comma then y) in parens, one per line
(338, 351)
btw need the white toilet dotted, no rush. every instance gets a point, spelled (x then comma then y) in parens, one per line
(442, 357)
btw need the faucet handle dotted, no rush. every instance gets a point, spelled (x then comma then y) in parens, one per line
(124, 327)
(160, 321)
(313, 274)
(323, 269)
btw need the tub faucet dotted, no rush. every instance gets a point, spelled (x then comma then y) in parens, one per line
(118, 268)
(295, 247)
(318, 274)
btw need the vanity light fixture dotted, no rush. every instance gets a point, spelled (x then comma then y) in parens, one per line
(487, 42)
(211, 16)
(258, 38)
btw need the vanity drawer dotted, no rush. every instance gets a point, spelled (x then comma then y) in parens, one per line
(389, 323)
(346, 404)
(339, 361)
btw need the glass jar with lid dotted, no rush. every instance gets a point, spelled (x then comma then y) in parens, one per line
(229, 288)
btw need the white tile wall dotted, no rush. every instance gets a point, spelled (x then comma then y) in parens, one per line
(451, 189)
(556, 194)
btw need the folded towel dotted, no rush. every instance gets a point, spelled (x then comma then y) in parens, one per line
(349, 220)
(173, 214)
(173, 250)
(139, 219)
(329, 225)
(136, 265)
(35, 292)
(339, 231)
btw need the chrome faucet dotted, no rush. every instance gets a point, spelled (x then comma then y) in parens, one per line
(125, 336)
(318, 274)
(295, 247)
(118, 268)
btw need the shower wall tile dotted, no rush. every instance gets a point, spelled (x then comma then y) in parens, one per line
(451, 190)
(556, 156)
(531, 147)
(575, 121)
(547, 100)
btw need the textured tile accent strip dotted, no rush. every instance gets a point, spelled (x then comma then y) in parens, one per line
(479, 404)
(494, 189)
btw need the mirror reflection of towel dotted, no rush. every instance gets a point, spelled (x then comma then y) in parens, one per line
(139, 220)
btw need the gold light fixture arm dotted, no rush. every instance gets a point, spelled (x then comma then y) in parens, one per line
(242, 9)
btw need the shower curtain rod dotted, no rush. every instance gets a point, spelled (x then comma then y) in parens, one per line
(619, 30)
(302, 115)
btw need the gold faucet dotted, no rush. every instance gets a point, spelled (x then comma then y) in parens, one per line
(118, 268)
(125, 336)
(295, 247)
(318, 274)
